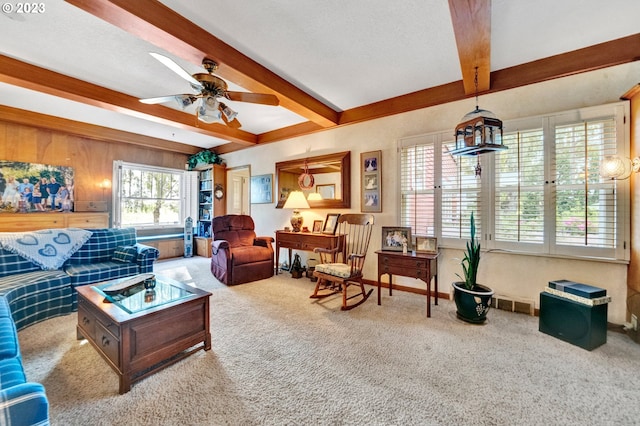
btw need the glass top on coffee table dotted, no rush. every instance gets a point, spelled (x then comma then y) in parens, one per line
(146, 294)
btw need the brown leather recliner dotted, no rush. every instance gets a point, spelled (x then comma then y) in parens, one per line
(237, 255)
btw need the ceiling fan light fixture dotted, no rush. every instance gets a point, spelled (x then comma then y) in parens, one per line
(208, 111)
(229, 114)
(184, 100)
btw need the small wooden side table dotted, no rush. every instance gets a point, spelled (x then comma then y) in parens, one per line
(304, 241)
(422, 266)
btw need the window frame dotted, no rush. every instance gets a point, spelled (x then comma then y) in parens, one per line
(548, 122)
(186, 184)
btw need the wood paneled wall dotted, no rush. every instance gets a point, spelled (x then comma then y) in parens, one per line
(91, 159)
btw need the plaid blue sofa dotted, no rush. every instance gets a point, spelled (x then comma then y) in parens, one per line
(35, 295)
(29, 295)
(97, 260)
(21, 402)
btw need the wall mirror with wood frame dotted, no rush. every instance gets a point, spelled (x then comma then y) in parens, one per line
(330, 178)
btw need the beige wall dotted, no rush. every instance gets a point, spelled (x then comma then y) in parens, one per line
(512, 275)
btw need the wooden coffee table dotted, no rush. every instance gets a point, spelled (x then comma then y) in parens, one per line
(140, 331)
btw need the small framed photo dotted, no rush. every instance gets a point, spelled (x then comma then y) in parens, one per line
(371, 181)
(317, 226)
(331, 223)
(426, 245)
(262, 189)
(395, 237)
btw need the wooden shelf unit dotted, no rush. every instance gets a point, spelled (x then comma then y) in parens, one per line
(209, 206)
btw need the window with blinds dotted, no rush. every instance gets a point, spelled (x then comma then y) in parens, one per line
(461, 194)
(585, 202)
(417, 183)
(542, 195)
(520, 188)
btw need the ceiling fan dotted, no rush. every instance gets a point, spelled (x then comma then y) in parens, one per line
(209, 109)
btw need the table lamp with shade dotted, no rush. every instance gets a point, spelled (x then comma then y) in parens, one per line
(296, 201)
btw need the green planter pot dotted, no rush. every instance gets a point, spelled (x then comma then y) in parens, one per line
(472, 305)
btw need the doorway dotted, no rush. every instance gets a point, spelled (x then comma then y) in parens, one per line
(238, 188)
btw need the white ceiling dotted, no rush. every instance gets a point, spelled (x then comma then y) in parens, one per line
(344, 53)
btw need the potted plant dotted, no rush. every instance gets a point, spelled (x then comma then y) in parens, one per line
(203, 157)
(473, 300)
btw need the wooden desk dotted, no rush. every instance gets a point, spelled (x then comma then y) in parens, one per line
(419, 265)
(304, 241)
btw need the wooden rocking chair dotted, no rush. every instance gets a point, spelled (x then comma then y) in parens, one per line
(341, 267)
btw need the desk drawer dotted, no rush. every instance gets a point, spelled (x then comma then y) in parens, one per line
(86, 320)
(399, 262)
(305, 241)
(108, 343)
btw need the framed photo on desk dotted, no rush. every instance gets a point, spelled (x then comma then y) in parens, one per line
(331, 223)
(394, 237)
(426, 245)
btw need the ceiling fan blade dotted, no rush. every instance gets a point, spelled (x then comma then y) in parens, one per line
(182, 100)
(158, 100)
(169, 63)
(256, 98)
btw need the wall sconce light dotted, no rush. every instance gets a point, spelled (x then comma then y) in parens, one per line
(296, 201)
(617, 167)
(105, 184)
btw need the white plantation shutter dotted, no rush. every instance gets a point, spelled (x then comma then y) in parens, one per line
(418, 186)
(585, 202)
(461, 195)
(519, 201)
(542, 195)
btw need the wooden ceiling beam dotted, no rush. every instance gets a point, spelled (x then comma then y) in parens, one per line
(615, 52)
(472, 27)
(32, 77)
(154, 22)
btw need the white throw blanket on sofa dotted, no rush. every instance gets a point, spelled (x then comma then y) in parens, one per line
(48, 248)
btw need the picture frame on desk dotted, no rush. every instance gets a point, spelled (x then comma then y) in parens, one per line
(394, 237)
(317, 226)
(331, 223)
(427, 245)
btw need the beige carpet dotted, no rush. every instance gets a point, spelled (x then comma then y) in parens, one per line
(280, 358)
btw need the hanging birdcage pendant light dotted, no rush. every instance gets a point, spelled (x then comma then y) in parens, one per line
(479, 132)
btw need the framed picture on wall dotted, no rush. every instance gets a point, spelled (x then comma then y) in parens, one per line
(371, 182)
(35, 187)
(262, 189)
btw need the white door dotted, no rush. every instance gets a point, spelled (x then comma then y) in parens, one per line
(238, 193)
